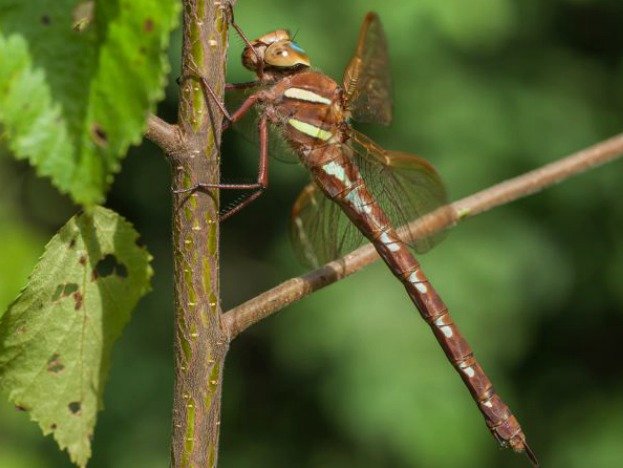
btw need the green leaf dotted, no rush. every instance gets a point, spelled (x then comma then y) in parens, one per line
(77, 82)
(56, 338)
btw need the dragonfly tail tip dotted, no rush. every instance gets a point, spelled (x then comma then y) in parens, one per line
(531, 455)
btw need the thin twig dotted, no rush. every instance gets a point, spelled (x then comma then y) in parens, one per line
(243, 316)
(165, 135)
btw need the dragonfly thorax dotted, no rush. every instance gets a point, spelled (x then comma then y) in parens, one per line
(308, 106)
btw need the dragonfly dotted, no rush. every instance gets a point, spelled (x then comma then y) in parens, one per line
(359, 190)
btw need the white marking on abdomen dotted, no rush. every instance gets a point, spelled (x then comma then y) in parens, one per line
(439, 323)
(305, 95)
(310, 130)
(415, 277)
(391, 245)
(357, 202)
(336, 170)
(447, 331)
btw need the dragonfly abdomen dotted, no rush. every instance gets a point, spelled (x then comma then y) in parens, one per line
(340, 180)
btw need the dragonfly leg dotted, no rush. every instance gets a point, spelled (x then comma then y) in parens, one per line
(209, 91)
(240, 112)
(262, 174)
(240, 86)
(245, 107)
(228, 7)
(262, 178)
(230, 12)
(237, 115)
(257, 188)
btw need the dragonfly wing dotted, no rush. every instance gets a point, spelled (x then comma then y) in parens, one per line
(320, 231)
(405, 186)
(367, 83)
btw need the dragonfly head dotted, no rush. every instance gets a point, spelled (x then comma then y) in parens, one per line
(274, 52)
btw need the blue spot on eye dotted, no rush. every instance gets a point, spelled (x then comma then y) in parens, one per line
(297, 47)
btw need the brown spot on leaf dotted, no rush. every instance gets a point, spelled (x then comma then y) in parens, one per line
(54, 364)
(78, 300)
(83, 260)
(74, 407)
(72, 243)
(46, 20)
(53, 426)
(148, 25)
(99, 135)
(109, 265)
(21, 407)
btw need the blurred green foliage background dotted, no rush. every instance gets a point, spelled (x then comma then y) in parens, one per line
(485, 89)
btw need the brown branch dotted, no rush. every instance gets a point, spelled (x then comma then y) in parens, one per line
(200, 343)
(243, 316)
(167, 136)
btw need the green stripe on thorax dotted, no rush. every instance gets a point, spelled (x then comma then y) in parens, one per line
(310, 130)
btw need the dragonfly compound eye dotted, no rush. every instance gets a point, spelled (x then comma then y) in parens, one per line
(285, 54)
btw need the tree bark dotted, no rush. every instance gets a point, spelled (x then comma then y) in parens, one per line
(200, 343)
